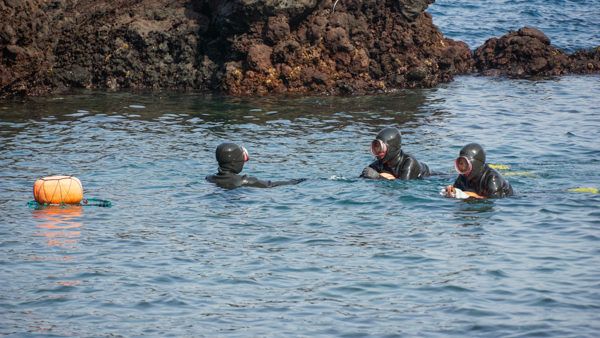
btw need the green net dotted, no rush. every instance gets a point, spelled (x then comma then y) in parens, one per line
(96, 202)
(87, 202)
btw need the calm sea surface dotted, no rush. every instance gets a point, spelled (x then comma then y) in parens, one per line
(570, 24)
(333, 256)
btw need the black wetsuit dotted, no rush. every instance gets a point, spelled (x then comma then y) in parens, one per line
(231, 162)
(404, 167)
(229, 180)
(482, 180)
(398, 163)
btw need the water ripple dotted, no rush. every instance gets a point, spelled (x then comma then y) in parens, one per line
(333, 256)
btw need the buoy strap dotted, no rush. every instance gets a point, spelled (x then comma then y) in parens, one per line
(56, 177)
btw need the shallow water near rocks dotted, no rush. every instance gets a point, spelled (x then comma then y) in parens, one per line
(333, 256)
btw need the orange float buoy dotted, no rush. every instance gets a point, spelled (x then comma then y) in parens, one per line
(57, 190)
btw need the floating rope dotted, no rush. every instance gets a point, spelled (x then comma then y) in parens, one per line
(334, 4)
(505, 170)
(499, 166)
(520, 173)
(588, 190)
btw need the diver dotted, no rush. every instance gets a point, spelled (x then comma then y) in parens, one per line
(231, 159)
(392, 162)
(476, 179)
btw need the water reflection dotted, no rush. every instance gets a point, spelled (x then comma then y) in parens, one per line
(372, 247)
(399, 108)
(473, 213)
(59, 225)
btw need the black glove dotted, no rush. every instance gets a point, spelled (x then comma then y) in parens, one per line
(298, 180)
(369, 172)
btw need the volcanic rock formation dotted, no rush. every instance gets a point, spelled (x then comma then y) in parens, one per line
(246, 47)
(231, 46)
(528, 52)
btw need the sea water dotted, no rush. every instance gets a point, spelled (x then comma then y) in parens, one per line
(570, 24)
(332, 256)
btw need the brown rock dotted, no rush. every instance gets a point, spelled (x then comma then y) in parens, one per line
(585, 61)
(259, 57)
(337, 40)
(411, 9)
(416, 74)
(286, 51)
(277, 29)
(524, 53)
(245, 47)
(534, 33)
(538, 64)
(7, 35)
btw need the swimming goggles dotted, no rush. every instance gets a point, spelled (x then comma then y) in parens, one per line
(246, 155)
(463, 165)
(379, 149)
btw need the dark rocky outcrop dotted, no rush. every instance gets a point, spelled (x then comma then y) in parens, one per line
(231, 46)
(245, 47)
(237, 16)
(585, 61)
(51, 45)
(528, 52)
(342, 47)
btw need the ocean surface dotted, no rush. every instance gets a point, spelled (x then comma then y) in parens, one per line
(335, 256)
(570, 24)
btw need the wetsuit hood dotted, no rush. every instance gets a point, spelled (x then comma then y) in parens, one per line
(476, 155)
(230, 157)
(392, 139)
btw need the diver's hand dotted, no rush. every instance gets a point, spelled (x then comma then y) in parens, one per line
(452, 192)
(387, 176)
(444, 192)
(298, 180)
(447, 191)
(369, 172)
(460, 194)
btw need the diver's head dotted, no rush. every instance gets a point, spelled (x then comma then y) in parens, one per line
(471, 160)
(231, 157)
(386, 144)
